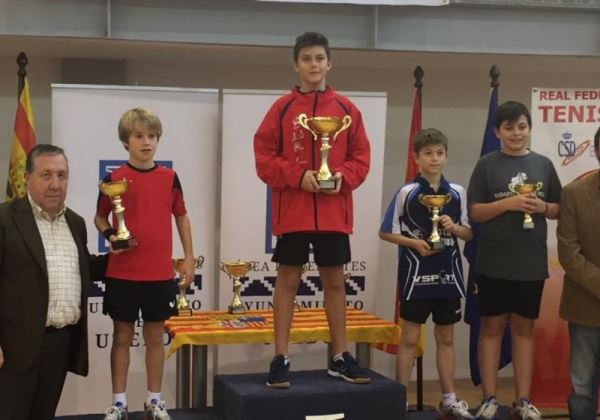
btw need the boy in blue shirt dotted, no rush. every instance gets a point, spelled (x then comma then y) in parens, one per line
(431, 281)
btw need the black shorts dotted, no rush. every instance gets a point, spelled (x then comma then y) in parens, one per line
(330, 249)
(123, 300)
(501, 296)
(443, 311)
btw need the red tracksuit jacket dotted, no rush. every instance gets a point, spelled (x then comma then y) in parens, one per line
(284, 151)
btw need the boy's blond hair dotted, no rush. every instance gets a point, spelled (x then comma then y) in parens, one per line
(429, 137)
(135, 117)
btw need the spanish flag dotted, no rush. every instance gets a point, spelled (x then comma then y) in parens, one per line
(22, 142)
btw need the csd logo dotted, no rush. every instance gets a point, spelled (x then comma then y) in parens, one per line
(566, 148)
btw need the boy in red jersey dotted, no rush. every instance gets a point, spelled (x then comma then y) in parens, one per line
(287, 160)
(141, 277)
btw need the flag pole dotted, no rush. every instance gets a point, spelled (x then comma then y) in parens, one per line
(418, 74)
(22, 62)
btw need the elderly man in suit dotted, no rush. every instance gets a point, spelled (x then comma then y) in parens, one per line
(578, 236)
(44, 272)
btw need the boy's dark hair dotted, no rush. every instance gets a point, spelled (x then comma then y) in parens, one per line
(42, 149)
(429, 137)
(310, 39)
(597, 139)
(510, 111)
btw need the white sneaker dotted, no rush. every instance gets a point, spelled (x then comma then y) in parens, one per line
(116, 412)
(156, 411)
(526, 411)
(488, 409)
(458, 410)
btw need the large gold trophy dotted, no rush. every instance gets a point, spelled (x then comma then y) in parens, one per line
(325, 127)
(235, 270)
(435, 202)
(183, 306)
(114, 190)
(521, 188)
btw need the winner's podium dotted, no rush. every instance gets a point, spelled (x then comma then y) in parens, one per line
(192, 334)
(312, 393)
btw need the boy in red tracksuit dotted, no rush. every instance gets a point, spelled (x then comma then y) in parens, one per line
(287, 160)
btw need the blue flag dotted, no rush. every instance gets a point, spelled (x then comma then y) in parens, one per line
(490, 144)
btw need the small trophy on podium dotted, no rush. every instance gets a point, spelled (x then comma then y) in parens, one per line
(522, 188)
(114, 190)
(435, 202)
(325, 127)
(183, 306)
(235, 270)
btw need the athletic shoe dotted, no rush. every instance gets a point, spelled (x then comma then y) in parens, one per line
(156, 411)
(488, 409)
(348, 370)
(525, 411)
(116, 412)
(278, 373)
(458, 410)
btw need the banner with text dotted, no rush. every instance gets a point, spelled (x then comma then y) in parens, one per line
(564, 121)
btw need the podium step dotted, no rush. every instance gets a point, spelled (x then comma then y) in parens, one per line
(313, 393)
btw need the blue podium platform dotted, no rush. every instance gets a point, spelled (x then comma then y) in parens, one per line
(245, 397)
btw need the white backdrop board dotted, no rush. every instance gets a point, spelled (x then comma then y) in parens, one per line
(84, 123)
(564, 121)
(245, 226)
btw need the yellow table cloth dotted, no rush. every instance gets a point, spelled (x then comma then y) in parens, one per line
(308, 325)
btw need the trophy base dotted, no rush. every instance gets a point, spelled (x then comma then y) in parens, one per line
(236, 309)
(327, 184)
(184, 312)
(123, 244)
(436, 246)
(528, 225)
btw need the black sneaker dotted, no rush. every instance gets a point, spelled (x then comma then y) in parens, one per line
(278, 373)
(348, 370)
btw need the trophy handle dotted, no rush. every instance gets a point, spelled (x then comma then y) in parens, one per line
(303, 121)
(222, 268)
(448, 198)
(199, 261)
(346, 121)
(512, 188)
(420, 198)
(538, 186)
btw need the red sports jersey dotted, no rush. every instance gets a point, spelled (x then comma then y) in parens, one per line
(153, 195)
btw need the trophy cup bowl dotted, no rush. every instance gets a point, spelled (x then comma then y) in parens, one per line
(435, 202)
(183, 306)
(235, 270)
(325, 127)
(526, 189)
(114, 190)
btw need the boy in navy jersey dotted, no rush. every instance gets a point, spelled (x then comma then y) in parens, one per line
(141, 277)
(431, 281)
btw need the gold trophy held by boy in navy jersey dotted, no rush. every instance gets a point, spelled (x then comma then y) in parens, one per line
(435, 202)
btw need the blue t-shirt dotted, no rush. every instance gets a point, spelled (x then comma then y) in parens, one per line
(439, 275)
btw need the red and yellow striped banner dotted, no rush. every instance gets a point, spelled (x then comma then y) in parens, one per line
(308, 325)
(22, 142)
